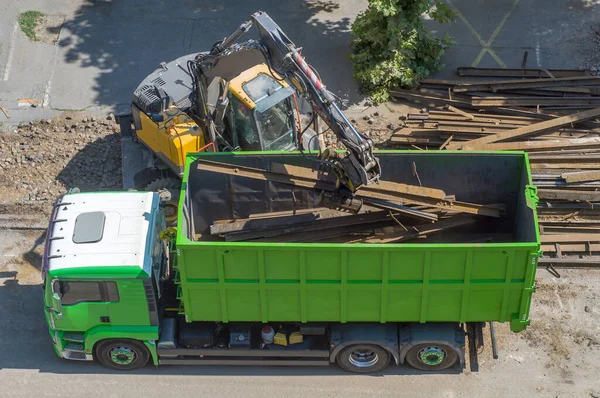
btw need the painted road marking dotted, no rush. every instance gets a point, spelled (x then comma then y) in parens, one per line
(487, 46)
(11, 50)
(46, 100)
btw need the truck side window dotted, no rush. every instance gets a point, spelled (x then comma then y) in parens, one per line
(91, 292)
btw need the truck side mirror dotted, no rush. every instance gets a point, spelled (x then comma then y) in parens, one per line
(56, 300)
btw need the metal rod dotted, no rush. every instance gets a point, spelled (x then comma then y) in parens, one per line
(494, 342)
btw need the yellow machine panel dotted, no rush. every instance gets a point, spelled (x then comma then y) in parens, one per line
(172, 139)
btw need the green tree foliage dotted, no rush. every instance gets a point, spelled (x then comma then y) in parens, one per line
(393, 48)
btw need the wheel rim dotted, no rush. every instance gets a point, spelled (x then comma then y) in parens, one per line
(431, 355)
(122, 355)
(363, 358)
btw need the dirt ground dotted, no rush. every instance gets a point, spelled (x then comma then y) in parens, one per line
(558, 355)
(39, 161)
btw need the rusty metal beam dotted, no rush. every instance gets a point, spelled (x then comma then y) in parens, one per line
(317, 229)
(581, 176)
(569, 238)
(495, 86)
(533, 129)
(423, 230)
(546, 144)
(506, 72)
(228, 226)
(564, 194)
(535, 101)
(369, 191)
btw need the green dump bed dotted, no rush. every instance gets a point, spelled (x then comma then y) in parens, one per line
(446, 281)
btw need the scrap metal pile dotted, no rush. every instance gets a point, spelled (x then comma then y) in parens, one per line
(554, 115)
(387, 212)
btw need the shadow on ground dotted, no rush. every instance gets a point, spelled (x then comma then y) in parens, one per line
(95, 167)
(126, 40)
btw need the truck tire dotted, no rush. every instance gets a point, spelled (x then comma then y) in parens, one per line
(168, 190)
(122, 354)
(434, 356)
(363, 358)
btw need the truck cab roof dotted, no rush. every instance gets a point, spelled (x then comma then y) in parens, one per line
(108, 229)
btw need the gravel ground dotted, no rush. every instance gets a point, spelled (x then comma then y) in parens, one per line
(39, 161)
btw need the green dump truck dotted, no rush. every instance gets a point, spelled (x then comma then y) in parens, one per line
(118, 290)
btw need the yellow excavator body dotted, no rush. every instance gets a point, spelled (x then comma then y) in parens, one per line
(172, 138)
(178, 134)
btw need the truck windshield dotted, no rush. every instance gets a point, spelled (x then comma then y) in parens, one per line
(276, 126)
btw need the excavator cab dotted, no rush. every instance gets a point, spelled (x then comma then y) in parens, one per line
(255, 110)
(262, 115)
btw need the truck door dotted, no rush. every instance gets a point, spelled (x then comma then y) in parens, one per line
(84, 304)
(131, 307)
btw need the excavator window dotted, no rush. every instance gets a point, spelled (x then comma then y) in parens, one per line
(275, 126)
(245, 132)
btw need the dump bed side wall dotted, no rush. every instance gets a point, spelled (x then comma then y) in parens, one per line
(408, 283)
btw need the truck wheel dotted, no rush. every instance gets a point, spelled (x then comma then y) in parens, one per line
(432, 356)
(363, 358)
(168, 192)
(122, 354)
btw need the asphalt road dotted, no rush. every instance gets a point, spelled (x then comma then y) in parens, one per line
(105, 48)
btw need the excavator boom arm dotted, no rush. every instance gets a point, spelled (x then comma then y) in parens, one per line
(359, 166)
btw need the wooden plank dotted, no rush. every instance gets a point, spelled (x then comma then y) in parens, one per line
(422, 230)
(564, 194)
(533, 129)
(579, 176)
(499, 85)
(259, 223)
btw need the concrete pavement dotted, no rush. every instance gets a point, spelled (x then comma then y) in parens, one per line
(106, 48)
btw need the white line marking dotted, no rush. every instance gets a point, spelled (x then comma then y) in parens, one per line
(49, 83)
(11, 48)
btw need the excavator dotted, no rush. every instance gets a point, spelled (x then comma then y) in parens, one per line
(251, 96)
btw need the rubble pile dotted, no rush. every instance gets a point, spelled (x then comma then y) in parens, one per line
(39, 161)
